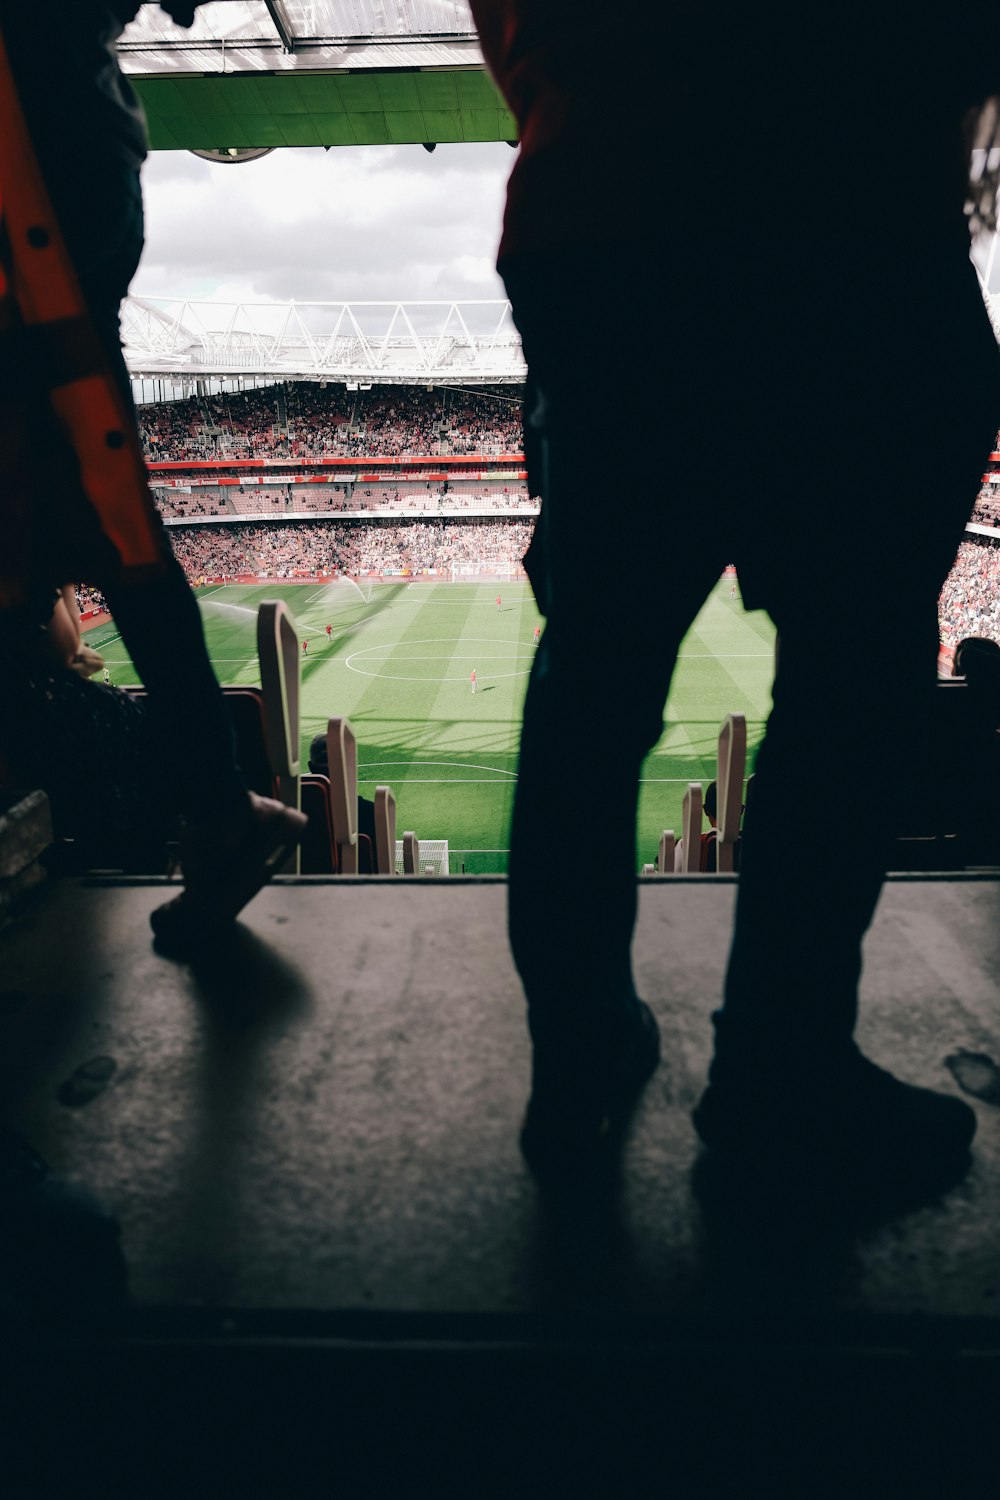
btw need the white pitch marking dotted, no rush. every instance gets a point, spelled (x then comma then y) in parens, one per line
(459, 765)
(489, 781)
(470, 655)
(438, 641)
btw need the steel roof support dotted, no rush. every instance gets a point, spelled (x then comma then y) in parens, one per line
(279, 20)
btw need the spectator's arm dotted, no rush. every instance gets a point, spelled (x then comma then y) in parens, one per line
(63, 632)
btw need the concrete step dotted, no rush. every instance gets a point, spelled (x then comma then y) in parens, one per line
(324, 1120)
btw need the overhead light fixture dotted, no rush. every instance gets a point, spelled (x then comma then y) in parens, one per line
(230, 156)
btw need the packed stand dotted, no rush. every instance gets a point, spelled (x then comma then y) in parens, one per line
(351, 549)
(246, 424)
(970, 599)
(483, 421)
(88, 599)
(179, 504)
(986, 511)
(435, 496)
(417, 498)
(173, 430)
(304, 419)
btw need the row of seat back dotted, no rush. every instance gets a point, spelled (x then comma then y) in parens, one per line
(342, 760)
(265, 720)
(949, 809)
(948, 816)
(337, 844)
(732, 765)
(280, 679)
(266, 725)
(696, 852)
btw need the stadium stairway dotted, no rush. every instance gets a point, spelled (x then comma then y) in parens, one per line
(344, 1280)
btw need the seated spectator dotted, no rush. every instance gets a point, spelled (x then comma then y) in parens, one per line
(977, 659)
(306, 419)
(108, 793)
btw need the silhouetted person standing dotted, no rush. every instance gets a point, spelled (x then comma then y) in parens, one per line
(763, 213)
(71, 145)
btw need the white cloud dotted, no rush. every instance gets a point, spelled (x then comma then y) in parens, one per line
(367, 223)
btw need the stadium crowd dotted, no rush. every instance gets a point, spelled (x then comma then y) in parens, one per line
(415, 498)
(364, 547)
(986, 511)
(304, 419)
(88, 599)
(970, 599)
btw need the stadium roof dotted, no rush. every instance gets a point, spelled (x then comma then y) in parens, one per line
(415, 343)
(264, 73)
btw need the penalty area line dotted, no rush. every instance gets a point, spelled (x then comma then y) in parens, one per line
(439, 780)
(493, 781)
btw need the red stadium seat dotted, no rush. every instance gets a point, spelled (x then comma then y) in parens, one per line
(318, 849)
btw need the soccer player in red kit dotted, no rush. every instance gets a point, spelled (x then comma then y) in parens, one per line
(329, 631)
(472, 679)
(499, 602)
(305, 648)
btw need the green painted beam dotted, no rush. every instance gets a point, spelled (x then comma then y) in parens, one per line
(323, 109)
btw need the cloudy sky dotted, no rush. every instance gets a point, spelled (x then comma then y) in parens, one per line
(381, 223)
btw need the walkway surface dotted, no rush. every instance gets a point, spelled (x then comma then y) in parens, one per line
(314, 1137)
(326, 1118)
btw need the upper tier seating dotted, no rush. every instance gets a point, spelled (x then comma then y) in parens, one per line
(304, 419)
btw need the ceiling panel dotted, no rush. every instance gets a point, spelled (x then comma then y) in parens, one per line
(371, 130)
(360, 72)
(375, 17)
(443, 125)
(240, 34)
(405, 127)
(335, 129)
(398, 91)
(297, 130)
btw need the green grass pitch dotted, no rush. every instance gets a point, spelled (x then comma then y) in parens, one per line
(398, 664)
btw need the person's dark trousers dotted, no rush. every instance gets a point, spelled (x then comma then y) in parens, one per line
(155, 610)
(807, 407)
(619, 569)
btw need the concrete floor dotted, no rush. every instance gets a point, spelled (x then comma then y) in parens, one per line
(323, 1124)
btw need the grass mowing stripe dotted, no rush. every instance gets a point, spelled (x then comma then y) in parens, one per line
(721, 667)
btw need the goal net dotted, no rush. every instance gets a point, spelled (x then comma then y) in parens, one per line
(433, 857)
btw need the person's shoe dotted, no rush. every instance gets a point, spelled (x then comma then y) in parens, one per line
(577, 1111)
(860, 1132)
(60, 1256)
(225, 864)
